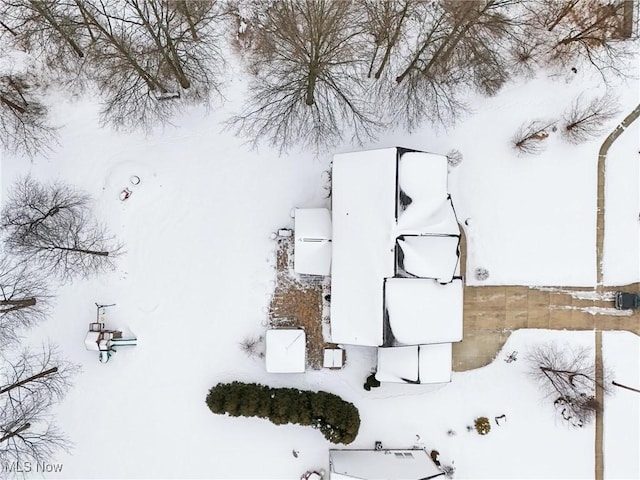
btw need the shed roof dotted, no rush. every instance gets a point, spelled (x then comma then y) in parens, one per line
(285, 350)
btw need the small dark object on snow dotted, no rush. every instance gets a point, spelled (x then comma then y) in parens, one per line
(501, 417)
(327, 298)
(512, 357)
(372, 382)
(378, 445)
(295, 453)
(627, 301)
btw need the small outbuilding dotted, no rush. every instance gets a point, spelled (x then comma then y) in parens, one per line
(285, 350)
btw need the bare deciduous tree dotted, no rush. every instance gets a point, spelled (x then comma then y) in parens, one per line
(457, 46)
(51, 31)
(386, 22)
(24, 126)
(591, 30)
(308, 86)
(27, 432)
(152, 57)
(31, 384)
(529, 137)
(454, 157)
(44, 372)
(568, 377)
(585, 119)
(253, 346)
(24, 299)
(51, 227)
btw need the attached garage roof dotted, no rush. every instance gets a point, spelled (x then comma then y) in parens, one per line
(415, 364)
(423, 311)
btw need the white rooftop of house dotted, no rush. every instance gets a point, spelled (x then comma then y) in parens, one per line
(363, 197)
(312, 241)
(382, 465)
(415, 364)
(422, 310)
(364, 208)
(285, 350)
(430, 256)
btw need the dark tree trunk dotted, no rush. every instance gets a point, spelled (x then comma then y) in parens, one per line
(15, 432)
(37, 376)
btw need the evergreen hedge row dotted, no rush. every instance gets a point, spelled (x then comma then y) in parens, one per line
(338, 420)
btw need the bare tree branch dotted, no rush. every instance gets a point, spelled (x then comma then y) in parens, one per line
(585, 119)
(568, 377)
(308, 88)
(51, 226)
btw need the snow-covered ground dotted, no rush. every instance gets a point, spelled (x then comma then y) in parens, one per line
(198, 271)
(621, 351)
(622, 213)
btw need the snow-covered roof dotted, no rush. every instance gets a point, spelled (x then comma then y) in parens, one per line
(397, 364)
(382, 465)
(430, 256)
(422, 311)
(365, 202)
(312, 223)
(435, 363)
(423, 176)
(415, 363)
(91, 341)
(312, 245)
(333, 358)
(363, 213)
(285, 350)
(422, 218)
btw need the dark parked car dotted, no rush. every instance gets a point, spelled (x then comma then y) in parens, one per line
(627, 301)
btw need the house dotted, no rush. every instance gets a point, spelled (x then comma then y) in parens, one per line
(382, 464)
(395, 281)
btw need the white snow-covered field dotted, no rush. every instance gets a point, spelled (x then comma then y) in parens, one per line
(622, 409)
(198, 271)
(622, 214)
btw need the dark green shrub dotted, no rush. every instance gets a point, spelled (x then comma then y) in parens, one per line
(482, 424)
(372, 382)
(337, 420)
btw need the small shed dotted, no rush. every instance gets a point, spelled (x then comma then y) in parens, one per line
(285, 350)
(312, 241)
(333, 358)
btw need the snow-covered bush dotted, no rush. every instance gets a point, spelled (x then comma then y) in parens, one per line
(482, 424)
(529, 138)
(372, 382)
(337, 420)
(454, 157)
(253, 346)
(481, 273)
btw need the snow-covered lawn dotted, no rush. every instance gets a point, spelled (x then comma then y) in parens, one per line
(621, 351)
(622, 213)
